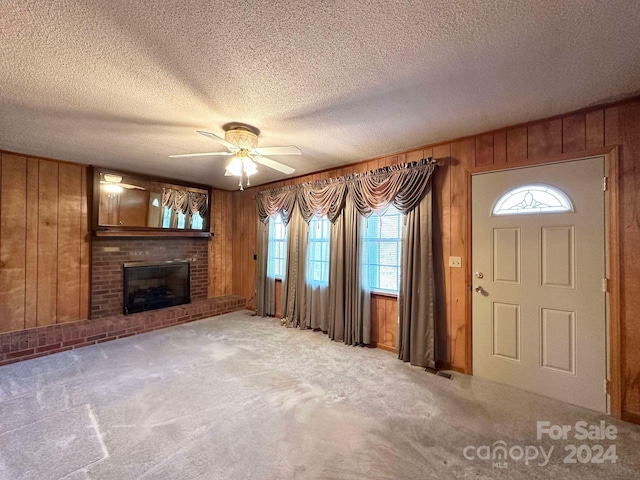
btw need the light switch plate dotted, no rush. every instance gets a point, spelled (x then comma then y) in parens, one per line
(455, 262)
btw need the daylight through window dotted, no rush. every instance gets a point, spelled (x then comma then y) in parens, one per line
(318, 251)
(532, 199)
(382, 243)
(276, 262)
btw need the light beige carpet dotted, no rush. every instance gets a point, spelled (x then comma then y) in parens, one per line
(240, 397)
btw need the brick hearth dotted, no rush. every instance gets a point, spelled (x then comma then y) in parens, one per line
(36, 342)
(107, 320)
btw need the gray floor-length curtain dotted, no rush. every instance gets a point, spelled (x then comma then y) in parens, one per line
(349, 299)
(316, 314)
(416, 309)
(335, 328)
(265, 284)
(294, 292)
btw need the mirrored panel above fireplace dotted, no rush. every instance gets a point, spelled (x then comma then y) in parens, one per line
(126, 204)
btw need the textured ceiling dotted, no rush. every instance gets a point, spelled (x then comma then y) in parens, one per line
(124, 84)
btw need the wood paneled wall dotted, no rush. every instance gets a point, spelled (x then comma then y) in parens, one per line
(384, 322)
(244, 227)
(44, 242)
(574, 133)
(220, 244)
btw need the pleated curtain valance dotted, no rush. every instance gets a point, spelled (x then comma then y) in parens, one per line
(402, 185)
(184, 201)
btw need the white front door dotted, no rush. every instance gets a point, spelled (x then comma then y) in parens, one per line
(538, 256)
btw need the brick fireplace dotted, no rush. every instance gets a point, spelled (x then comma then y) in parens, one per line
(110, 254)
(107, 320)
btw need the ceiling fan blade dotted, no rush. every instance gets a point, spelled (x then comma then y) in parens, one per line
(218, 139)
(283, 150)
(267, 162)
(200, 154)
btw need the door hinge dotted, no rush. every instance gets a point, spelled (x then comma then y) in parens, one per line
(605, 285)
(605, 184)
(606, 386)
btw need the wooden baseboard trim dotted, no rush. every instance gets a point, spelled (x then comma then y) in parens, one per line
(631, 417)
(384, 347)
(447, 366)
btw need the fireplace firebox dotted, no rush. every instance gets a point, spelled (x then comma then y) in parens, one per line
(153, 285)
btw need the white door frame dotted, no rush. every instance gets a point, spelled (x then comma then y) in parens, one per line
(614, 367)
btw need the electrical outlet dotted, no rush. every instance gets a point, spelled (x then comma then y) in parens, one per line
(455, 262)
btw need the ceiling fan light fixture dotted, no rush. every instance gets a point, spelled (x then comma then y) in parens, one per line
(243, 139)
(235, 167)
(108, 177)
(112, 188)
(249, 166)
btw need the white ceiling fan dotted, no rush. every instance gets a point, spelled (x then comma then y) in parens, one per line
(113, 183)
(242, 142)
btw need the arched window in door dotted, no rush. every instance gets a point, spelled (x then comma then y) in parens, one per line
(532, 199)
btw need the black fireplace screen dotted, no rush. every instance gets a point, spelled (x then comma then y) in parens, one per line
(149, 286)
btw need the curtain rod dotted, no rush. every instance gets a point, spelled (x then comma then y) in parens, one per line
(350, 177)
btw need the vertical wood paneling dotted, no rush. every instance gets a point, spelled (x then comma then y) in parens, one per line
(375, 321)
(44, 243)
(462, 159)
(31, 260)
(69, 242)
(85, 250)
(442, 250)
(612, 126)
(244, 243)
(416, 155)
(278, 302)
(228, 244)
(500, 148)
(390, 323)
(623, 126)
(574, 133)
(594, 124)
(214, 253)
(484, 150)
(384, 321)
(516, 144)
(544, 138)
(221, 245)
(13, 227)
(47, 242)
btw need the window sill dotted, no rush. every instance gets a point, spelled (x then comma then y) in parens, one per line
(379, 293)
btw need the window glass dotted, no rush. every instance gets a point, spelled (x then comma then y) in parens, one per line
(197, 221)
(277, 256)
(382, 242)
(166, 217)
(532, 199)
(318, 251)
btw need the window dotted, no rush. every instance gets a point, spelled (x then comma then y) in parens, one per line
(170, 219)
(318, 251)
(277, 259)
(382, 241)
(197, 221)
(532, 199)
(181, 219)
(166, 217)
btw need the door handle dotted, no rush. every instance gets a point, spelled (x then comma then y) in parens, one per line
(479, 289)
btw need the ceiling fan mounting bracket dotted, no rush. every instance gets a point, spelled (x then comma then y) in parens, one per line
(240, 126)
(242, 135)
